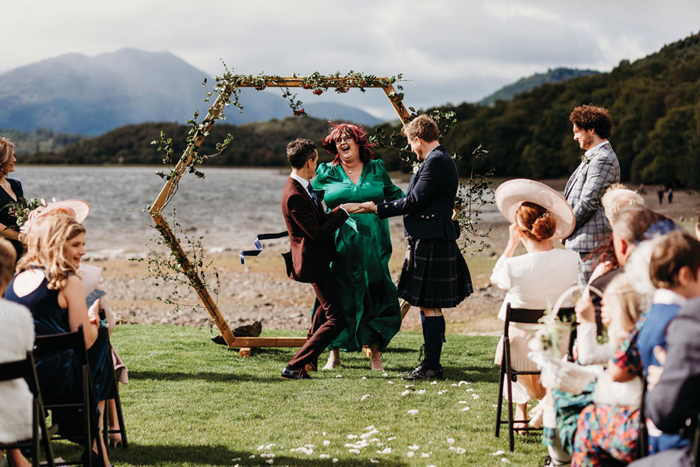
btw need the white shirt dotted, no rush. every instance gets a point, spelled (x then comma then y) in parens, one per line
(306, 183)
(535, 280)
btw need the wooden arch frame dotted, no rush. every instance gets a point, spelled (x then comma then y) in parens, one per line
(226, 89)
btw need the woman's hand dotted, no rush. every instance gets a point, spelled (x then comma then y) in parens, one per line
(585, 312)
(94, 312)
(515, 236)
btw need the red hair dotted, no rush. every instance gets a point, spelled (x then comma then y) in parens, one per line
(357, 133)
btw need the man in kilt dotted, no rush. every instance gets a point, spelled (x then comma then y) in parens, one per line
(434, 275)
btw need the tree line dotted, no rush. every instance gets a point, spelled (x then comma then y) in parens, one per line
(654, 102)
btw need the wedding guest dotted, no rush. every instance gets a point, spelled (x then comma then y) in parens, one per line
(16, 339)
(536, 279)
(434, 274)
(614, 403)
(674, 270)
(363, 245)
(672, 401)
(90, 278)
(47, 284)
(11, 193)
(599, 169)
(311, 233)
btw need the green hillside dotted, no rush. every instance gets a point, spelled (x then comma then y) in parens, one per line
(654, 102)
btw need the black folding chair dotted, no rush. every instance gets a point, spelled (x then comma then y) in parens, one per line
(41, 436)
(509, 375)
(52, 344)
(117, 401)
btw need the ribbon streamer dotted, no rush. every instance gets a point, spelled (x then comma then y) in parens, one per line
(258, 245)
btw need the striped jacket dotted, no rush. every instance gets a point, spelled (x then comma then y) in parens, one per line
(584, 190)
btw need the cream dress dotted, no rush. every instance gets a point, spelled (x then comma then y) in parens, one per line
(533, 281)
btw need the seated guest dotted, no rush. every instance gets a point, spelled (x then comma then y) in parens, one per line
(11, 192)
(674, 269)
(536, 279)
(617, 402)
(673, 400)
(630, 225)
(47, 283)
(16, 339)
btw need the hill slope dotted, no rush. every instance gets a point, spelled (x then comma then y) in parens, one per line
(557, 75)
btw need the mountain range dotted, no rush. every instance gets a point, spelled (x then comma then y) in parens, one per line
(75, 93)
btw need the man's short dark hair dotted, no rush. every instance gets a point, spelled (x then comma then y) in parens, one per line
(422, 127)
(589, 117)
(299, 151)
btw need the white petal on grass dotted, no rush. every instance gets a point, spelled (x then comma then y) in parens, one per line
(424, 454)
(374, 461)
(475, 396)
(451, 440)
(392, 438)
(410, 453)
(462, 402)
(463, 382)
(270, 461)
(261, 447)
(433, 383)
(441, 393)
(470, 390)
(365, 397)
(465, 409)
(335, 459)
(498, 453)
(352, 436)
(354, 451)
(412, 412)
(409, 386)
(252, 456)
(385, 374)
(369, 433)
(460, 450)
(421, 391)
(375, 440)
(338, 376)
(406, 392)
(454, 384)
(325, 456)
(370, 428)
(414, 447)
(504, 460)
(364, 377)
(324, 433)
(267, 455)
(390, 382)
(385, 451)
(326, 442)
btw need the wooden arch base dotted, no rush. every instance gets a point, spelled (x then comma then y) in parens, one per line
(215, 111)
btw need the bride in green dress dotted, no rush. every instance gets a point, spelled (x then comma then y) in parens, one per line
(363, 243)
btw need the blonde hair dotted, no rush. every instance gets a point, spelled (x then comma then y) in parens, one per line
(617, 197)
(626, 303)
(45, 243)
(7, 150)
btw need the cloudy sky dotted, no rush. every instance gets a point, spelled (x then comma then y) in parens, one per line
(450, 50)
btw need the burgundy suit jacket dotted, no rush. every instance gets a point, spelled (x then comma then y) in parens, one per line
(311, 234)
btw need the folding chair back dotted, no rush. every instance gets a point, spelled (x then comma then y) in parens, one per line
(24, 369)
(75, 341)
(106, 431)
(509, 375)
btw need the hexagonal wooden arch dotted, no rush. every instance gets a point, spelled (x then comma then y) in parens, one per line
(215, 111)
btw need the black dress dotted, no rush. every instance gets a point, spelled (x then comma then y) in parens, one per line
(59, 374)
(7, 216)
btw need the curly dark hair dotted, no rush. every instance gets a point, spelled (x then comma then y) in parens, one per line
(356, 132)
(589, 117)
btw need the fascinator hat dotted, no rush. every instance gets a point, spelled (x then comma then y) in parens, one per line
(511, 194)
(74, 207)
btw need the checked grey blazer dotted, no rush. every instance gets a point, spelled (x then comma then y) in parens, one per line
(583, 192)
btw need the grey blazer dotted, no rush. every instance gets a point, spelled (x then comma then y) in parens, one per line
(584, 190)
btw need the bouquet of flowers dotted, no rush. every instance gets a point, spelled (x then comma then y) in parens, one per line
(21, 209)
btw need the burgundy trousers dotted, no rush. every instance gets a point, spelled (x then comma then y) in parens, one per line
(328, 321)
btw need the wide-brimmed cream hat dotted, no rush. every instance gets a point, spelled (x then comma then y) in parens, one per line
(77, 207)
(511, 194)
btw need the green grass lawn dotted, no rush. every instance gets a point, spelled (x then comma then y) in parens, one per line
(192, 402)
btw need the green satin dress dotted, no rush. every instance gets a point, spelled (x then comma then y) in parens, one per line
(361, 268)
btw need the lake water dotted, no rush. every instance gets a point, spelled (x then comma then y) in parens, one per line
(229, 207)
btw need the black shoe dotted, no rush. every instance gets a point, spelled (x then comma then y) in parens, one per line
(295, 374)
(95, 458)
(422, 373)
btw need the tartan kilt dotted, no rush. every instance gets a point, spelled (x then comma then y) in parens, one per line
(434, 274)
